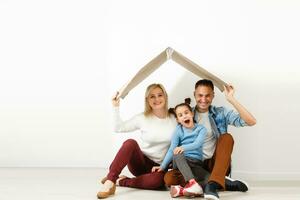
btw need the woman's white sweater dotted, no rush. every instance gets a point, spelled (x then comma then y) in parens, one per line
(156, 133)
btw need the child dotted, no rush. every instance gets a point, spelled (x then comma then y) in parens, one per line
(186, 151)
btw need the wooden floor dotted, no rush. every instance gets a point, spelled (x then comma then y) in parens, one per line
(83, 184)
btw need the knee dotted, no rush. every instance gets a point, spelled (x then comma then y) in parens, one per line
(178, 156)
(227, 138)
(168, 178)
(130, 143)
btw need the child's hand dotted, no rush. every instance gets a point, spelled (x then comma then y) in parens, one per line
(156, 169)
(178, 150)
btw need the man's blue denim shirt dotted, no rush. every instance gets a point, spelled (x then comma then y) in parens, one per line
(220, 118)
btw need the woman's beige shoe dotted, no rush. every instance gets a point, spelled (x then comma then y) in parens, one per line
(103, 195)
(121, 177)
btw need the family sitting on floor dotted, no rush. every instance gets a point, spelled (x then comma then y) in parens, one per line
(185, 148)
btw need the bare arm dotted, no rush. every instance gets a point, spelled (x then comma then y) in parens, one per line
(118, 124)
(244, 113)
(115, 100)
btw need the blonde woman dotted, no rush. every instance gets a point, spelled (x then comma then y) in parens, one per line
(156, 126)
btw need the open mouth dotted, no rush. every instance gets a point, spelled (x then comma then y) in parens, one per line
(187, 121)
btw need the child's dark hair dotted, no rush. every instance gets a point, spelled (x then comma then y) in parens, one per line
(204, 82)
(187, 102)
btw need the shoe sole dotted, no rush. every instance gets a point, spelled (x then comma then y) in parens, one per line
(190, 194)
(209, 196)
(110, 192)
(238, 180)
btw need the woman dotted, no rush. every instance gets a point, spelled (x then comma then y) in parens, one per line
(156, 126)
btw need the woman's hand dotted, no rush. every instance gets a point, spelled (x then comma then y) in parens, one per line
(116, 100)
(178, 150)
(156, 169)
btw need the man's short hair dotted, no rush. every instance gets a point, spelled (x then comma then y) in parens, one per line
(204, 82)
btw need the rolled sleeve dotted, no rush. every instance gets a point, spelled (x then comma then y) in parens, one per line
(234, 118)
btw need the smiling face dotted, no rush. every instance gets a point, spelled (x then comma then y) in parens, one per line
(204, 96)
(184, 116)
(156, 99)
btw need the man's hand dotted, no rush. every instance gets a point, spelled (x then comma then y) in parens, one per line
(244, 113)
(229, 92)
(178, 150)
(156, 169)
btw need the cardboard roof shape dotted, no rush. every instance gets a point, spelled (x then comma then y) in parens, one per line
(156, 62)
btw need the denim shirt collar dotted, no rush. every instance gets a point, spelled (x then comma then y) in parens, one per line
(212, 113)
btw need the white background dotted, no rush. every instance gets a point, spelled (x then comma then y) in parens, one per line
(61, 61)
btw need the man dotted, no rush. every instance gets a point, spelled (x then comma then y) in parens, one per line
(218, 144)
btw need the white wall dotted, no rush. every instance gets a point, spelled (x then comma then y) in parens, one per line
(53, 77)
(61, 62)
